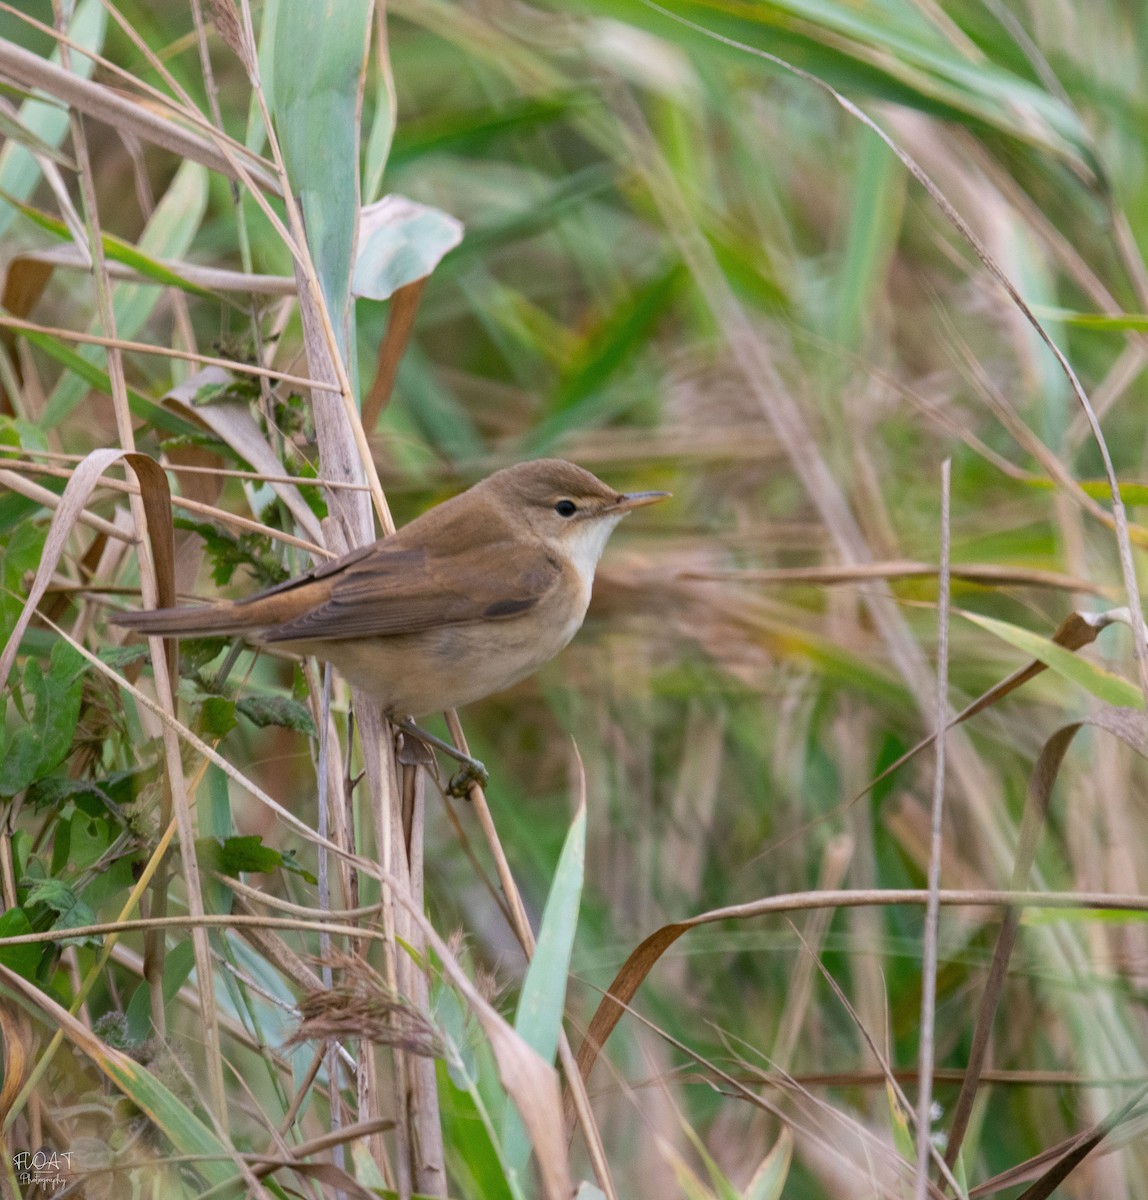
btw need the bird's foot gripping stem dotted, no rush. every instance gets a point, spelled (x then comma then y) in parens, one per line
(461, 781)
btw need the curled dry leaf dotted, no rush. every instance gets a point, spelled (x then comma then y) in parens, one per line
(19, 1045)
(157, 505)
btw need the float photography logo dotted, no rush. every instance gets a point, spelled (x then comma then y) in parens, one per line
(47, 1169)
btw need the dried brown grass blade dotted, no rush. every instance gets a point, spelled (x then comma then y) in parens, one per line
(400, 322)
(216, 279)
(24, 284)
(95, 339)
(339, 1181)
(221, 515)
(156, 496)
(623, 989)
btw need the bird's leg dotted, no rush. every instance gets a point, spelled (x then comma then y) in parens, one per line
(472, 770)
(233, 653)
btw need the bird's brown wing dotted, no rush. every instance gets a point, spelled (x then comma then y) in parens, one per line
(392, 591)
(271, 607)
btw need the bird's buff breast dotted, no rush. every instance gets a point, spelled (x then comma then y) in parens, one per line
(414, 674)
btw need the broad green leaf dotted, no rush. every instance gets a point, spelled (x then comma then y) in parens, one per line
(237, 855)
(471, 1150)
(25, 957)
(89, 839)
(177, 966)
(34, 749)
(137, 1016)
(1112, 689)
(218, 716)
(16, 435)
(53, 790)
(196, 653)
(19, 557)
(542, 1002)
(320, 50)
(121, 657)
(71, 911)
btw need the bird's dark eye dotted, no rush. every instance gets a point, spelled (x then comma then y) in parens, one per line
(566, 508)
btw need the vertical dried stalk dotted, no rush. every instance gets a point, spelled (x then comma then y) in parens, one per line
(176, 796)
(345, 457)
(932, 911)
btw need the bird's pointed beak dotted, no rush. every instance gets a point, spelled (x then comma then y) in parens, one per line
(631, 500)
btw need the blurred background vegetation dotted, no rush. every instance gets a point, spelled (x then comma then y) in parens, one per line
(683, 267)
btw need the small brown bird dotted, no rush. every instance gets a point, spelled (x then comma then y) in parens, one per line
(466, 600)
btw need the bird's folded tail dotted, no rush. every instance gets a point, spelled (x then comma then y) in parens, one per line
(220, 620)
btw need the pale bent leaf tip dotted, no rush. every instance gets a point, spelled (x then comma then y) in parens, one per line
(589, 1191)
(400, 241)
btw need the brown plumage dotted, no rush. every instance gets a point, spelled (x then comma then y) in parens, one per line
(468, 598)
